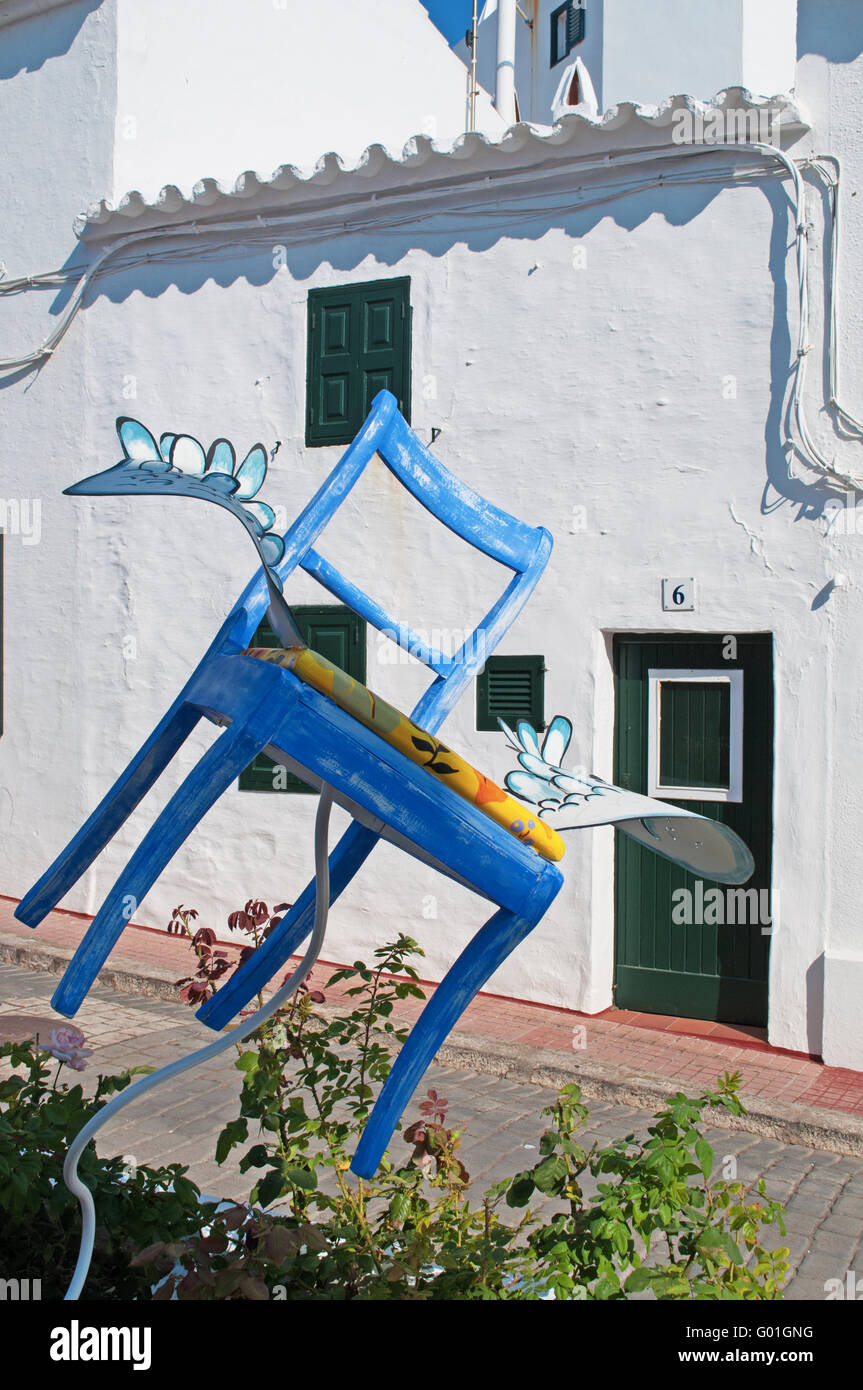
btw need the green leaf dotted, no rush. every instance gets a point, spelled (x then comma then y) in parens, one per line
(301, 1177)
(704, 1154)
(399, 1207)
(520, 1191)
(549, 1174)
(714, 1242)
(233, 1133)
(270, 1188)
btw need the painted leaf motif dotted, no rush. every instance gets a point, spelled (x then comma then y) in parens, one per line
(252, 471)
(532, 789)
(534, 763)
(263, 515)
(221, 457)
(527, 738)
(221, 483)
(557, 740)
(139, 444)
(572, 785)
(166, 443)
(272, 549)
(188, 455)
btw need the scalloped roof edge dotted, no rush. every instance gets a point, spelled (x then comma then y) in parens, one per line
(173, 206)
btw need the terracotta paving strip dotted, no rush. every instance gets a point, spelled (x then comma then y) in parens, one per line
(679, 1051)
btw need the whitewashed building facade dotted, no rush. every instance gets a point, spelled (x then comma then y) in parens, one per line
(621, 327)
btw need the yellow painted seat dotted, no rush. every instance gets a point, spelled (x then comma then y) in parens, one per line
(417, 744)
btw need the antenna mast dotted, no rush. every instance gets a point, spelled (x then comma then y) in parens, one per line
(473, 29)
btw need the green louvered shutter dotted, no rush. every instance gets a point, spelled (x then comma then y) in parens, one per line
(567, 29)
(574, 25)
(511, 688)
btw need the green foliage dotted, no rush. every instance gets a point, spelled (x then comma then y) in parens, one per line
(654, 1197)
(657, 1222)
(40, 1220)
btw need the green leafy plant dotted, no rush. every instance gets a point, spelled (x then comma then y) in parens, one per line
(40, 1223)
(657, 1223)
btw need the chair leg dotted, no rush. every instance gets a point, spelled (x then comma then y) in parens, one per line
(346, 859)
(134, 783)
(488, 949)
(219, 766)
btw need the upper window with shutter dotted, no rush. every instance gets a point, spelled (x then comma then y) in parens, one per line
(567, 29)
(359, 343)
(511, 688)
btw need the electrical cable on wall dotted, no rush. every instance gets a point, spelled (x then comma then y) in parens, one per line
(255, 232)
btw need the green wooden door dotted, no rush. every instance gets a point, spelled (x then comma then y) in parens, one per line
(689, 722)
(339, 634)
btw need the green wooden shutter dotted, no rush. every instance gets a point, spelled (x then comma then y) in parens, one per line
(511, 688)
(567, 29)
(337, 633)
(574, 25)
(359, 343)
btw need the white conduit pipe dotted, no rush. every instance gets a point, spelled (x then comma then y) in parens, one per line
(831, 180)
(504, 82)
(804, 446)
(81, 1140)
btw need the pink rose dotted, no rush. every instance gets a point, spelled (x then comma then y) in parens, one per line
(67, 1045)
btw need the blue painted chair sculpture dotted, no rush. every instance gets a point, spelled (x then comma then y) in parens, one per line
(267, 708)
(346, 742)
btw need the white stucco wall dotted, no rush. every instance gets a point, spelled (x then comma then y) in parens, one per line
(652, 51)
(261, 83)
(648, 53)
(559, 380)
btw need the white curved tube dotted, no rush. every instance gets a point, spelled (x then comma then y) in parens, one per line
(82, 1139)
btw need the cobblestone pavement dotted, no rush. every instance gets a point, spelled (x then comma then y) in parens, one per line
(500, 1121)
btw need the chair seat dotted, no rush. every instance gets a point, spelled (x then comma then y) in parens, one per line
(416, 744)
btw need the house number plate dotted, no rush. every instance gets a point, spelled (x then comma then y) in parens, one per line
(678, 595)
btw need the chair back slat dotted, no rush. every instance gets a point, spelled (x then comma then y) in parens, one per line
(373, 612)
(480, 523)
(522, 548)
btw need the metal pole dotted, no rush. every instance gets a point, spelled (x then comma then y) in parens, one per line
(474, 22)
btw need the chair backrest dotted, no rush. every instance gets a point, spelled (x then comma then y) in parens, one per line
(521, 548)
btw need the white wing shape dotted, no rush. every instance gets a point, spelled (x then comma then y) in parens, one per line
(576, 801)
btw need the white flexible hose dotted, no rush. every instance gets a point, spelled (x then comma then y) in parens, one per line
(82, 1139)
